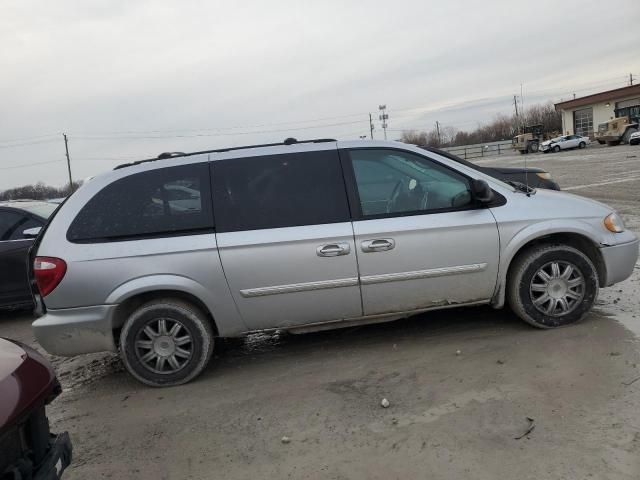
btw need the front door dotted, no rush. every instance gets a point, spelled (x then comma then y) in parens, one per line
(285, 237)
(421, 239)
(14, 248)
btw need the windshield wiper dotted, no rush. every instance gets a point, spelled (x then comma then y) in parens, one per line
(521, 187)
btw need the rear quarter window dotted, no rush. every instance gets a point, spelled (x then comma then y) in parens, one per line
(164, 202)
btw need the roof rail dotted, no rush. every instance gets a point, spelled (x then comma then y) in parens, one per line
(166, 155)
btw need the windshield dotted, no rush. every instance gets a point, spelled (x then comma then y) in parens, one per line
(43, 210)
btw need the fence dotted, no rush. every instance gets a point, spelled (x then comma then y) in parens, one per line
(481, 149)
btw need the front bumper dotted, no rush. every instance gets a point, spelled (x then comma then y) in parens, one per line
(74, 331)
(57, 460)
(619, 261)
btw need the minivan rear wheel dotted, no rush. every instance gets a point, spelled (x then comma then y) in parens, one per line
(166, 342)
(552, 285)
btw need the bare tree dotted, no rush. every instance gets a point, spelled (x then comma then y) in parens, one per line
(502, 127)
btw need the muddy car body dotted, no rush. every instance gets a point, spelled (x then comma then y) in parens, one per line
(303, 236)
(27, 385)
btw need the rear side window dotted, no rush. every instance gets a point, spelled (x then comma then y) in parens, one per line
(279, 191)
(9, 222)
(164, 202)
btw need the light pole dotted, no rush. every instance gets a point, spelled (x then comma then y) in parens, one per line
(383, 118)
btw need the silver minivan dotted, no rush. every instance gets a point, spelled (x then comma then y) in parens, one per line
(159, 257)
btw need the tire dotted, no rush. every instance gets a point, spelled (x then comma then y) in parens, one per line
(522, 152)
(524, 292)
(532, 148)
(142, 336)
(627, 134)
(582, 145)
(601, 142)
(613, 143)
(556, 149)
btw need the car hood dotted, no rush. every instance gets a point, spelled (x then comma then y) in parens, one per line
(508, 170)
(547, 142)
(26, 379)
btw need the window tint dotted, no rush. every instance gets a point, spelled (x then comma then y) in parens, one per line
(390, 181)
(9, 221)
(279, 191)
(163, 202)
(26, 224)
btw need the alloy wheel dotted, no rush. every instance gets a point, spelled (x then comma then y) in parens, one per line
(164, 346)
(557, 288)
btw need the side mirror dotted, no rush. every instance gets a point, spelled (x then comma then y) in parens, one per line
(31, 232)
(481, 191)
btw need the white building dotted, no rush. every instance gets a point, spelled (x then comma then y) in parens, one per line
(581, 115)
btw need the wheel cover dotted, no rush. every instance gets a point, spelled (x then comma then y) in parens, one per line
(557, 288)
(163, 346)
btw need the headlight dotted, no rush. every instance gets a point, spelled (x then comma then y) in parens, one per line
(614, 223)
(544, 175)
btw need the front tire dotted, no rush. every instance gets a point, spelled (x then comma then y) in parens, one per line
(556, 149)
(552, 286)
(582, 145)
(166, 342)
(627, 135)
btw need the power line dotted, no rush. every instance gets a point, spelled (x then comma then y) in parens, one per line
(29, 165)
(220, 134)
(23, 144)
(27, 139)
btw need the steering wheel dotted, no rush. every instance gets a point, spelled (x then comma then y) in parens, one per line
(403, 187)
(463, 197)
(393, 198)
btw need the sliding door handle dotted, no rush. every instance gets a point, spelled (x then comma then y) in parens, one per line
(333, 250)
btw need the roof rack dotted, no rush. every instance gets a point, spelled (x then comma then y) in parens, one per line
(166, 155)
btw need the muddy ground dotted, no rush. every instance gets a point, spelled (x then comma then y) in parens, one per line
(461, 384)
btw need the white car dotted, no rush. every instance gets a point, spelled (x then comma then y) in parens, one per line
(634, 139)
(564, 142)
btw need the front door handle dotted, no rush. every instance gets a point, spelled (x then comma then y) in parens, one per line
(333, 250)
(378, 245)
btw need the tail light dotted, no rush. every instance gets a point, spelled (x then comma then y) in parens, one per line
(48, 272)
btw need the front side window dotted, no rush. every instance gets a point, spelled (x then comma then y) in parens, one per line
(395, 182)
(279, 191)
(163, 202)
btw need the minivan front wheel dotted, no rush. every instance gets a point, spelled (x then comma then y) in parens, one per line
(166, 342)
(552, 285)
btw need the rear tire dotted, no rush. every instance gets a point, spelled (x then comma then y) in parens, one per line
(166, 342)
(532, 148)
(613, 143)
(601, 142)
(552, 286)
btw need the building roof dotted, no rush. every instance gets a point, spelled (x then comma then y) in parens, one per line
(599, 97)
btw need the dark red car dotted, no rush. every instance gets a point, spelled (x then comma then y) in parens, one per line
(28, 450)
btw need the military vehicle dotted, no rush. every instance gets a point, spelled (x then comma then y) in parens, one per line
(529, 140)
(617, 130)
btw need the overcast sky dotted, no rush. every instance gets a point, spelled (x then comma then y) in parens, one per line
(131, 79)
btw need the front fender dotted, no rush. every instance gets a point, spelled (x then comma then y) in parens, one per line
(514, 241)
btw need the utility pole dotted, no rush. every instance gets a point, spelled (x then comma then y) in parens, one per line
(383, 118)
(438, 130)
(515, 104)
(371, 125)
(631, 79)
(66, 148)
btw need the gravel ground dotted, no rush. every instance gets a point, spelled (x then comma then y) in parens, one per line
(460, 383)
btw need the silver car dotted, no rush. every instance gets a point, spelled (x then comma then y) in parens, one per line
(303, 236)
